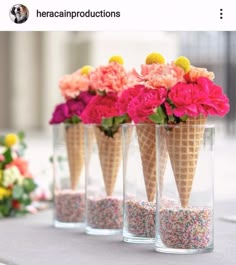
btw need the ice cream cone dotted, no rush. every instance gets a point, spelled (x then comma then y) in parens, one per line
(110, 156)
(147, 146)
(75, 152)
(183, 144)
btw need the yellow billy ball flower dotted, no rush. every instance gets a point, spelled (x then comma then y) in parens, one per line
(116, 59)
(4, 193)
(183, 62)
(155, 58)
(85, 70)
(11, 139)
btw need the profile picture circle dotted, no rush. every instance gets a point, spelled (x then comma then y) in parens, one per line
(19, 14)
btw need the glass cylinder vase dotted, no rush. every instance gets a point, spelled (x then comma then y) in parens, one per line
(69, 180)
(139, 161)
(104, 185)
(185, 222)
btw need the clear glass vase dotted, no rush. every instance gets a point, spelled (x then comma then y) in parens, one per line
(139, 161)
(185, 221)
(104, 185)
(69, 180)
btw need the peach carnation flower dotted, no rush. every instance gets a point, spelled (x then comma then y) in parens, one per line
(196, 72)
(71, 85)
(161, 75)
(22, 166)
(133, 79)
(109, 78)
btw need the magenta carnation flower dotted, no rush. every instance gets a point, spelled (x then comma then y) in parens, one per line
(85, 97)
(216, 103)
(60, 114)
(202, 97)
(100, 107)
(127, 96)
(72, 107)
(144, 105)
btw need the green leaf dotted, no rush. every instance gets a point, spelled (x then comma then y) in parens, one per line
(17, 192)
(21, 136)
(26, 201)
(107, 123)
(184, 118)
(29, 185)
(171, 119)
(8, 156)
(120, 119)
(73, 120)
(159, 116)
(5, 207)
(111, 125)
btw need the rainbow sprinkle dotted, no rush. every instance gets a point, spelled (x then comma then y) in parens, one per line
(140, 216)
(70, 206)
(186, 228)
(105, 213)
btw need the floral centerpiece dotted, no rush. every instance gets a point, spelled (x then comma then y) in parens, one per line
(175, 94)
(77, 93)
(179, 96)
(76, 90)
(108, 81)
(16, 180)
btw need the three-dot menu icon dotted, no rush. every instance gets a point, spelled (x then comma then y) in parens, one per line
(221, 13)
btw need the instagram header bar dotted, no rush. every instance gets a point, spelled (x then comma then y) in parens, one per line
(110, 15)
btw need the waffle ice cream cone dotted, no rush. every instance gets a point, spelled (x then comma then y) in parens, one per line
(147, 147)
(75, 151)
(110, 156)
(183, 144)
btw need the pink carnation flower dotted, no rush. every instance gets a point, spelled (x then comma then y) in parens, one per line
(72, 85)
(216, 102)
(133, 78)
(144, 105)
(161, 75)
(203, 97)
(187, 99)
(196, 72)
(110, 78)
(127, 96)
(100, 107)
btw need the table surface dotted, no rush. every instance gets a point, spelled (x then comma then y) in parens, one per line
(32, 240)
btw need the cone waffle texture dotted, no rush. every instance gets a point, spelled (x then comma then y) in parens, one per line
(147, 146)
(183, 144)
(110, 157)
(75, 152)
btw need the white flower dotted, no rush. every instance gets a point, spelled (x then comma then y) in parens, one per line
(11, 175)
(2, 149)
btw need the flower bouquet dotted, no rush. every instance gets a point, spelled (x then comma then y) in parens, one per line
(175, 94)
(77, 93)
(102, 114)
(16, 181)
(180, 97)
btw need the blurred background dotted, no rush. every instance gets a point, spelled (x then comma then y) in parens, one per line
(31, 63)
